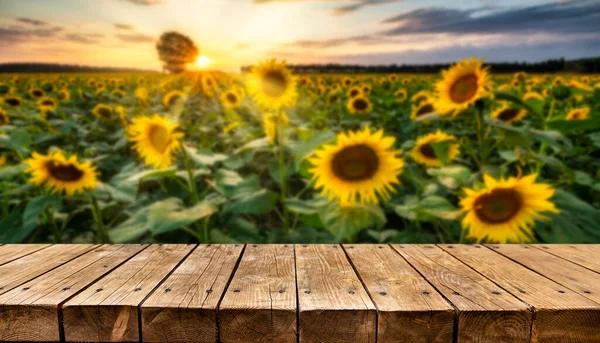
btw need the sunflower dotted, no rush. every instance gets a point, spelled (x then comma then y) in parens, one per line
(401, 95)
(13, 101)
(103, 111)
(231, 127)
(333, 98)
(421, 110)
(64, 95)
(47, 104)
(505, 210)
(208, 84)
(532, 96)
(393, 78)
(172, 98)
(462, 85)
(509, 115)
(122, 115)
(354, 92)
(155, 139)
(118, 93)
(359, 105)
(558, 81)
(366, 89)
(272, 85)
(422, 96)
(347, 82)
(61, 174)
(36, 93)
(5, 89)
(360, 167)
(141, 94)
(424, 153)
(582, 113)
(270, 125)
(230, 99)
(520, 76)
(4, 119)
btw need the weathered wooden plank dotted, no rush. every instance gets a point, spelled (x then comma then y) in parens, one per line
(31, 312)
(576, 278)
(333, 304)
(260, 302)
(561, 315)
(184, 307)
(10, 252)
(28, 267)
(486, 313)
(107, 311)
(587, 255)
(410, 309)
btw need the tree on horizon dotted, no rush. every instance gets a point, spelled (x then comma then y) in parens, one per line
(176, 50)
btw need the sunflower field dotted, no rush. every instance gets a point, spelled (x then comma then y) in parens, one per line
(268, 156)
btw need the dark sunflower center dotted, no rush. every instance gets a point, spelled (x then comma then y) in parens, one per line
(274, 84)
(577, 115)
(360, 104)
(174, 99)
(353, 93)
(37, 93)
(62, 95)
(333, 98)
(355, 163)
(104, 112)
(232, 98)
(68, 172)
(464, 88)
(427, 151)
(428, 108)
(508, 114)
(13, 101)
(48, 103)
(499, 206)
(160, 138)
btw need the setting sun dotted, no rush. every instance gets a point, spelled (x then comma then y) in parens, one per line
(203, 61)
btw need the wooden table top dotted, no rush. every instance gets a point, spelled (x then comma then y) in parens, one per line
(300, 293)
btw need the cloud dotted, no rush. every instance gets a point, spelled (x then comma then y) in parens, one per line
(146, 2)
(344, 10)
(243, 46)
(125, 27)
(136, 38)
(353, 6)
(18, 34)
(84, 38)
(556, 18)
(30, 21)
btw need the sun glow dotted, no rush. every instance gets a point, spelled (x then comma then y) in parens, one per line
(203, 61)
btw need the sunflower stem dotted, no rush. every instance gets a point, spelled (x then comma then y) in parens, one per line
(55, 230)
(192, 186)
(543, 146)
(282, 174)
(97, 214)
(481, 138)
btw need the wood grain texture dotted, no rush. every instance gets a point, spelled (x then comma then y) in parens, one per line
(561, 315)
(10, 252)
(486, 312)
(586, 255)
(260, 302)
(184, 307)
(31, 311)
(107, 311)
(410, 309)
(333, 304)
(19, 271)
(570, 275)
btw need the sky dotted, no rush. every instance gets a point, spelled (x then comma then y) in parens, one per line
(232, 33)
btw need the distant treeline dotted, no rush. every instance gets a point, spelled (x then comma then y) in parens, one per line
(62, 68)
(585, 65)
